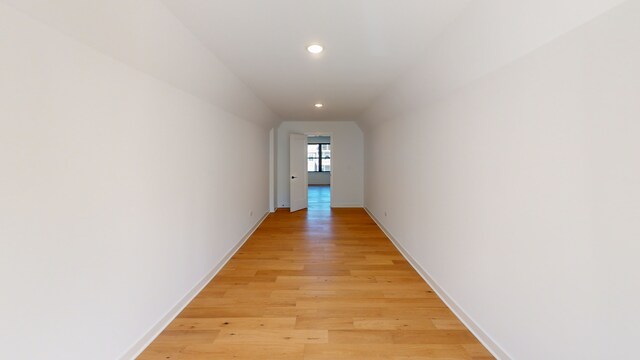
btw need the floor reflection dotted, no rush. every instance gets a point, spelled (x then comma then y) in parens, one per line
(319, 197)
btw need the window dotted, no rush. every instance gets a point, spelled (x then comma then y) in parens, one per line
(319, 157)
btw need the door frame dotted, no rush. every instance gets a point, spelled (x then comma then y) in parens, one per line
(331, 142)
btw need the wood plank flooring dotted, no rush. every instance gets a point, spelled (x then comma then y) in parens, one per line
(317, 285)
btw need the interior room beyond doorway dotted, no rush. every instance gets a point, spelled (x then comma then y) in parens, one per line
(319, 169)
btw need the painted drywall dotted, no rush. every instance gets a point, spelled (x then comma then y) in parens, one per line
(319, 178)
(145, 35)
(486, 36)
(319, 140)
(520, 192)
(113, 204)
(347, 151)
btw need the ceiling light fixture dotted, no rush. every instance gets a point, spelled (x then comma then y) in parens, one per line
(318, 105)
(315, 49)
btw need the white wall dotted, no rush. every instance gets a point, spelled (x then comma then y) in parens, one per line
(319, 178)
(147, 37)
(347, 163)
(319, 139)
(113, 204)
(520, 192)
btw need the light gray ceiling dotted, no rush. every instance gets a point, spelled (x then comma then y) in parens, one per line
(368, 44)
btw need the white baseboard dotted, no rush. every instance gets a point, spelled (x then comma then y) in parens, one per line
(142, 344)
(479, 333)
(346, 205)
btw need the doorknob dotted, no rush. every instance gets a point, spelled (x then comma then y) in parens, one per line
(293, 177)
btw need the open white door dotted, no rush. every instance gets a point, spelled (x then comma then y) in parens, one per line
(298, 171)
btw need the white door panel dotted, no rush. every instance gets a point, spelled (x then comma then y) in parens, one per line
(298, 171)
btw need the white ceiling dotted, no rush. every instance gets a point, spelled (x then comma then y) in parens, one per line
(368, 44)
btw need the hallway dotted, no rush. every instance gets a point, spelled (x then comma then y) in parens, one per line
(145, 145)
(317, 285)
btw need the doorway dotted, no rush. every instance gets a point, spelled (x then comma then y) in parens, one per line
(319, 172)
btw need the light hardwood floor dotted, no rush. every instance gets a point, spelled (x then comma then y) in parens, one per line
(317, 285)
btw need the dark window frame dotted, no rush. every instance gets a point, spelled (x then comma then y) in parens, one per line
(320, 157)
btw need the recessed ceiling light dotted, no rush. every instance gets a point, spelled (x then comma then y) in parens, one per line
(315, 49)
(318, 105)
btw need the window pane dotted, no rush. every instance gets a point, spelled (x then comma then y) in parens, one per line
(326, 165)
(313, 158)
(326, 157)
